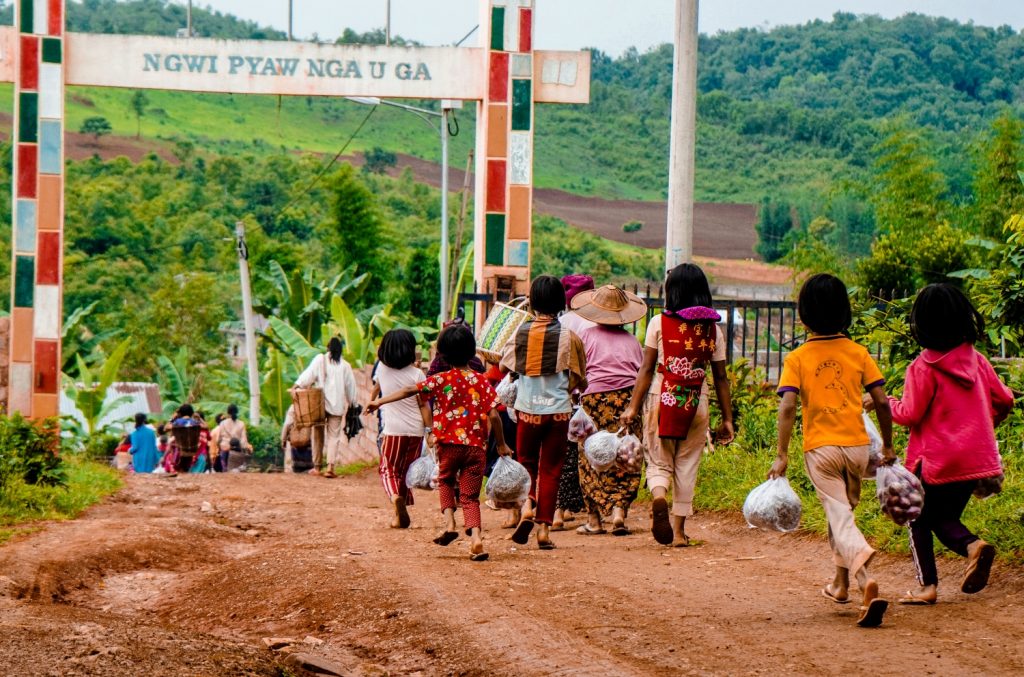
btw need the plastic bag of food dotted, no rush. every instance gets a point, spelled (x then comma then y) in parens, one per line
(422, 473)
(900, 493)
(507, 391)
(773, 505)
(875, 455)
(990, 486)
(630, 453)
(508, 484)
(581, 426)
(601, 450)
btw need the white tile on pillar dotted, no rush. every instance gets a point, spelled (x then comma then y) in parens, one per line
(46, 319)
(511, 30)
(520, 154)
(41, 17)
(26, 225)
(51, 91)
(522, 66)
(19, 397)
(498, 3)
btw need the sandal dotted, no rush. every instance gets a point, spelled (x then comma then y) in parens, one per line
(446, 538)
(828, 594)
(978, 569)
(872, 614)
(661, 527)
(478, 557)
(545, 545)
(620, 530)
(521, 536)
(587, 530)
(912, 599)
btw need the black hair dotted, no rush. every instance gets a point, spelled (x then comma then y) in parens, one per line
(140, 419)
(547, 295)
(334, 347)
(457, 345)
(944, 318)
(220, 417)
(233, 411)
(185, 411)
(687, 286)
(397, 349)
(824, 305)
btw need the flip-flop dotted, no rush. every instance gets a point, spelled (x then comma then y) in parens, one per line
(978, 569)
(912, 599)
(661, 527)
(558, 527)
(872, 614)
(478, 557)
(587, 530)
(403, 513)
(521, 536)
(827, 593)
(620, 530)
(447, 538)
(546, 545)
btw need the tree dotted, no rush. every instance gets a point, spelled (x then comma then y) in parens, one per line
(138, 104)
(632, 228)
(97, 126)
(908, 188)
(997, 187)
(378, 160)
(773, 225)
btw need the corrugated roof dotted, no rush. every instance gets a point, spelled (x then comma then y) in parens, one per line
(142, 397)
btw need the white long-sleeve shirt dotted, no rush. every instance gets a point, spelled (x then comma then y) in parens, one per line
(336, 379)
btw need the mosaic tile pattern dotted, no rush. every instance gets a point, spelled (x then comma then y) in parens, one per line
(37, 283)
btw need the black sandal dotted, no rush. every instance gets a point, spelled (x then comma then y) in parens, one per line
(521, 536)
(479, 557)
(447, 538)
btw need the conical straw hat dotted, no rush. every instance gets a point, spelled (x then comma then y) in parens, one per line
(609, 305)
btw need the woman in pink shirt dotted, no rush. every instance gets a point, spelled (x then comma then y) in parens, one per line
(952, 402)
(614, 357)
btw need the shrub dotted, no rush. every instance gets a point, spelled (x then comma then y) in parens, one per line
(890, 268)
(266, 446)
(30, 452)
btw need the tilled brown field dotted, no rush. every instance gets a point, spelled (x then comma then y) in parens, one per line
(155, 582)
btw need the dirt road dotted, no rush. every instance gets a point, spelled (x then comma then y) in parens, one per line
(156, 582)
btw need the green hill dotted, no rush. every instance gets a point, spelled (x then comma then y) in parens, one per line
(785, 112)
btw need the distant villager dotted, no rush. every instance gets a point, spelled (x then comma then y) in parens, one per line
(334, 375)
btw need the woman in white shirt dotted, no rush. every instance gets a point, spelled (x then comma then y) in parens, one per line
(334, 375)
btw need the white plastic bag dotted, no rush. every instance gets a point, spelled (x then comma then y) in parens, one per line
(900, 493)
(773, 505)
(422, 473)
(601, 450)
(508, 485)
(630, 454)
(507, 391)
(875, 455)
(581, 426)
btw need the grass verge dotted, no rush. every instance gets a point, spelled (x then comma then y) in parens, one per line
(23, 504)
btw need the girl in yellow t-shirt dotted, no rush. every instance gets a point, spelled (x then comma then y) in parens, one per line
(828, 374)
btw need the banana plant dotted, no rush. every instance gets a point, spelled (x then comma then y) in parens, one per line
(89, 390)
(78, 339)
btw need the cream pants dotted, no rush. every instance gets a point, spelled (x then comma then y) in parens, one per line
(674, 463)
(835, 473)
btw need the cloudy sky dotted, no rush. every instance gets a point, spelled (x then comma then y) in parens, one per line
(610, 25)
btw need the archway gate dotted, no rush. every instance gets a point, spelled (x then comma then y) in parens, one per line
(505, 77)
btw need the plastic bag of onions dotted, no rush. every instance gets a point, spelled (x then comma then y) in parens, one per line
(581, 426)
(507, 391)
(900, 493)
(602, 450)
(630, 453)
(422, 473)
(508, 484)
(875, 455)
(773, 505)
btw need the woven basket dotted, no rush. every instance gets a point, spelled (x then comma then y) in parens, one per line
(187, 438)
(501, 325)
(309, 407)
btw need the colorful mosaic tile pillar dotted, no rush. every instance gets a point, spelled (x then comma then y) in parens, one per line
(505, 148)
(38, 185)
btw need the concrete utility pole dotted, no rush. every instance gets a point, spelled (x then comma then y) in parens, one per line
(387, 22)
(290, 16)
(444, 213)
(250, 324)
(188, 19)
(682, 158)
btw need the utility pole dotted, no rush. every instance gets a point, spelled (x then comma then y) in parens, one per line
(444, 212)
(290, 15)
(682, 157)
(188, 19)
(387, 22)
(250, 324)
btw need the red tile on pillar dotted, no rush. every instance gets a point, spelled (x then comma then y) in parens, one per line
(28, 170)
(46, 367)
(56, 23)
(48, 260)
(525, 29)
(498, 90)
(496, 185)
(29, 62)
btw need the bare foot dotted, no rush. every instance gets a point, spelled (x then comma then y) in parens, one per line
(680, 541)
(401, 513)
(926, 594)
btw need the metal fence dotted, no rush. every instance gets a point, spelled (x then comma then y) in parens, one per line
(761, 332)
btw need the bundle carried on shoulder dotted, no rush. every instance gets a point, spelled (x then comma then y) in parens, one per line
(773, 505)
(501, 325)
(422, 473)
(507, 391)
(900, 493)
(508, 484)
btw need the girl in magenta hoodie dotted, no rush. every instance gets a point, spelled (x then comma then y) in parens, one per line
(952, 402)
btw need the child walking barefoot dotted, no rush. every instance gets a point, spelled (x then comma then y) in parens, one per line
(405, 422)
(951, 403)
(828, 373)
(463, 403)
